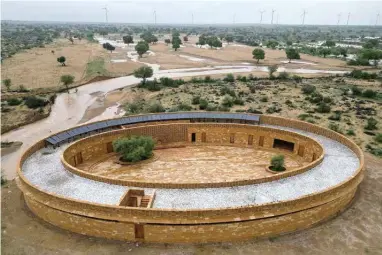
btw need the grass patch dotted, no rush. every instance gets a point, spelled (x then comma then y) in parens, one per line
(96, 67)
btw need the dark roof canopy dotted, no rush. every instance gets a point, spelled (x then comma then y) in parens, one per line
(65, 135)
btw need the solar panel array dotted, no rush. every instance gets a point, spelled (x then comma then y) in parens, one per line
(64, 136)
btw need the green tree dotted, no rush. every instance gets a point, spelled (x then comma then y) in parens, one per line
(127, 39)
(272, 44)
(108, 46)
(185, 38)
(271, 70)
(71, 40)
(371, 54)
(258, 54)
(142, 47)
(67, 80)
(144, 72)
(292, 53)
(213, 41)
(324, 51)
(7, 83)
(167, 41)
(229, 38)
(289, 43)
(175, 45)
(372, 43)
(61, 60)
(329, 43)
(135, 148)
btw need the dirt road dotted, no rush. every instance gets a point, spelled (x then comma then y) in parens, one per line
(358, 230)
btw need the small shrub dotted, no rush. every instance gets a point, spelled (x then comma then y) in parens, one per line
(371, 124)
(135, 148)
(228, 101)
(195, 100)
(211, 107)
(222, 108)
(336, 116)
(34, 102)
(252, 88)
(277, 163)
(14, 101)
(335, 127)
(304, 116)
(23, 89)
(356, 91)
(308, 89)
(203, 104)
(283, 76)
(229, 78)
(226, 90)
(378, 138)
(208, 79)
(327, 100)
(264, 99)
(369, 93)
(156, 107)
(350, 132)
(297, 78)
(323, 108)
(238, 101)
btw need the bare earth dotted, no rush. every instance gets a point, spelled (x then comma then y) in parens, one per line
(356, 231)
(192, 164)
(38, 67)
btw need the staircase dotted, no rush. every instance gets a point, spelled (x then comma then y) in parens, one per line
(145, 201)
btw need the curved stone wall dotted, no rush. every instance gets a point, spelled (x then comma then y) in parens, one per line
(195, 225)
(179, 134)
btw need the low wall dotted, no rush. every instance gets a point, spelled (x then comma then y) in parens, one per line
(180, 134)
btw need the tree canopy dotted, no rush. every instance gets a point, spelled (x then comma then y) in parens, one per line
(272, 44)
(67, 80)
(142, 47)
(61, 60)
(135, 148)
(229, 38)
(258, 54)
(143, 72)
(127, 39)
(329, 43)
(149, 37)
(175, 45)
(167, 41)
(108, 46)
(292, 53)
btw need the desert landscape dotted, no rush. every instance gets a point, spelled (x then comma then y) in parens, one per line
(56, 76)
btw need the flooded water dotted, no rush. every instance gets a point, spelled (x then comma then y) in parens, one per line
(70, 108)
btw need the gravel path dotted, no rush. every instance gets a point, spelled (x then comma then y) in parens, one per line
(340, 164)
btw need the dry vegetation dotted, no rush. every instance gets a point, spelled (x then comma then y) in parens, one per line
(348, 113)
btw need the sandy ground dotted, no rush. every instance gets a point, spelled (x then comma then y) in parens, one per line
(232, 54)
(356, 231)
(38, 67)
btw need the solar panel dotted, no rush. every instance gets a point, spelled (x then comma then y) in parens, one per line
(50, 140)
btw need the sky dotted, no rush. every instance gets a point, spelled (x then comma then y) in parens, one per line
(204, 12)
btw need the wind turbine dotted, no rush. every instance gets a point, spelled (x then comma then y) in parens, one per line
(377, 19)
(273, 11)
(339, 18)
(155, 16)
(192, 18)
(277, 20)
(347, 22)
(303, 17)
(105, 8)
(261, 17)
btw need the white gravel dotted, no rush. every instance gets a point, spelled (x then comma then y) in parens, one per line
(339, 165)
